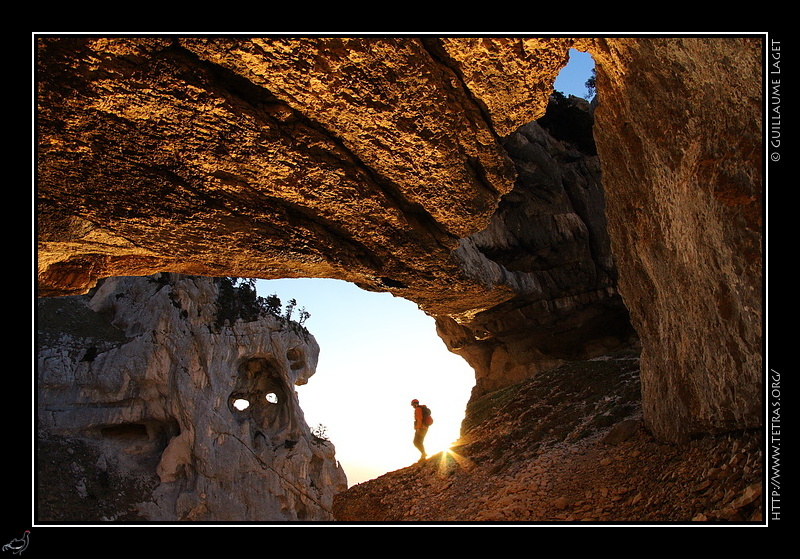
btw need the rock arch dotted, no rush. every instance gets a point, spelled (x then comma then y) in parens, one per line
(277, 157)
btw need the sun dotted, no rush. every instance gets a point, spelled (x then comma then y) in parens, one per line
(438, 441)
(448, 460)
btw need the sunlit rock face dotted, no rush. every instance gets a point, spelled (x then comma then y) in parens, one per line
(378, 160)
(144, 373)
(358, 159)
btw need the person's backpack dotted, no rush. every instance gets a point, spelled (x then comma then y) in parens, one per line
(427, 420)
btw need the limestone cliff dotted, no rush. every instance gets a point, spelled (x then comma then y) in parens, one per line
(374, 159)
(139, 391)
(548, 243)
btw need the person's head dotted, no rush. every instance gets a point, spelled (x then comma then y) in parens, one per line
(415, 402)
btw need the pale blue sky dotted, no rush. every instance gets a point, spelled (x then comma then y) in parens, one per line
(572, 79)
(377, 353)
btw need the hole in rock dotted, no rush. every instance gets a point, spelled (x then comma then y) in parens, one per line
(90, 354)
(144, 441)
(377, 353)
(577, 77)
(125, 431)
(260, 396)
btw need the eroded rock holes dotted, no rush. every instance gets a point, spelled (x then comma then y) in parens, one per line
(261, 397)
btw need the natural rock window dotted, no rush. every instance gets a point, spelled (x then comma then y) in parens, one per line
(242, 404)
(259, 394)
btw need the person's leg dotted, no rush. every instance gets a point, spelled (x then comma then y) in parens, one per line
(419, 440)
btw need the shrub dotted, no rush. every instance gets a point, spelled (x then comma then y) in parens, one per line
(238, 299)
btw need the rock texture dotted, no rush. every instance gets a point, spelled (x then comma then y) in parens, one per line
(137, 416)
(374, 160)
(680, 137)
(548, 243)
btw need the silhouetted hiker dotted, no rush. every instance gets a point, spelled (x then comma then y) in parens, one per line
(422, 420)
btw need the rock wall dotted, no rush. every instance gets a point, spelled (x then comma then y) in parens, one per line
(141, 372)
(373, 160)
(679, 131)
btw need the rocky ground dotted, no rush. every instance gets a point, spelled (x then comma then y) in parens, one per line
(569, 446)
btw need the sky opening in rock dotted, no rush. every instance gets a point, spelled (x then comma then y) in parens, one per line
(377, 353)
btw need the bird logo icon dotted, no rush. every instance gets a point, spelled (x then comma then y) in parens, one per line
(18, 545)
